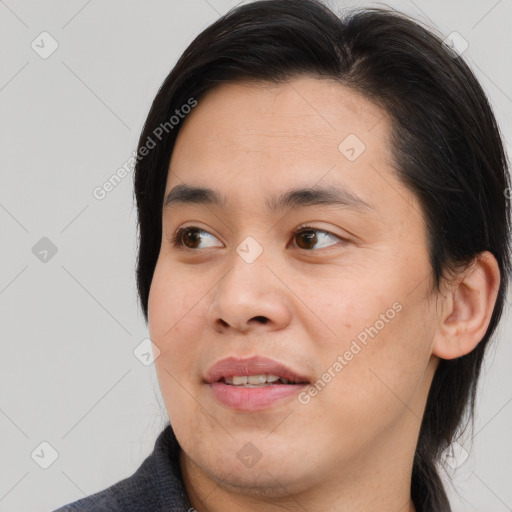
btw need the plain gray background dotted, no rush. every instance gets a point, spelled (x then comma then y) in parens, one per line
(70, 320)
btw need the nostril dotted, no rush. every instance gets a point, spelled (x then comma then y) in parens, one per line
(222, 324)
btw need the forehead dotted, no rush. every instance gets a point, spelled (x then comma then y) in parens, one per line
(307, 131)
(291, 113)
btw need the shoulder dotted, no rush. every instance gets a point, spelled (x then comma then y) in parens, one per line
(132, 494)
(156, 485)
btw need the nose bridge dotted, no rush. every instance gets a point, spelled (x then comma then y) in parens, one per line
(249, 293)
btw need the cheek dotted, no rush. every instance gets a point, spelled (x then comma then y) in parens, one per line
(383, 379)
(173, 298)
(373, 361)
(175, 316)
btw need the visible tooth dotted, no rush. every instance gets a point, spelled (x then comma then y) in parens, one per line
(256, 379)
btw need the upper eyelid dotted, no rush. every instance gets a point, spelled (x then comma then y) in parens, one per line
(295, 231)
(306, 227)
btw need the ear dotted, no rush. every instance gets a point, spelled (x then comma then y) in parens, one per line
(468, 308)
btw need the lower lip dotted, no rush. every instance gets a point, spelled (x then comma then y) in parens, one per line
(253, 399)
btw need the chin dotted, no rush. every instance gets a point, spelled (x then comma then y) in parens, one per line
(259, 481)
(264, 471)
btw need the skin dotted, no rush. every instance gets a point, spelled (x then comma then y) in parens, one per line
(351, 447)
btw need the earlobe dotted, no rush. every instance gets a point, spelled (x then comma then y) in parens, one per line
(468, 309)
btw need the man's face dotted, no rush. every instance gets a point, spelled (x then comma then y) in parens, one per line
(343, 303)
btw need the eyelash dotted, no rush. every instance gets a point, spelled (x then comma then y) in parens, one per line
(177, 242)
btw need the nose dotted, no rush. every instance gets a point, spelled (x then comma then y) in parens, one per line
(249, 297)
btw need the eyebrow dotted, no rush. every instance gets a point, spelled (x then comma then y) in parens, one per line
(294, 198)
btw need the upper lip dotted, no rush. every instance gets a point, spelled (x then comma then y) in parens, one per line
(256, 365)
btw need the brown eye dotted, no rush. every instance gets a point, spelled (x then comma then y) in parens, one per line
(191, 237)
(313, 238)
(306, 239)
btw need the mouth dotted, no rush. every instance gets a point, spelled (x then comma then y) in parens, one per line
(256, 381)
(253, 371)
(253, 383)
